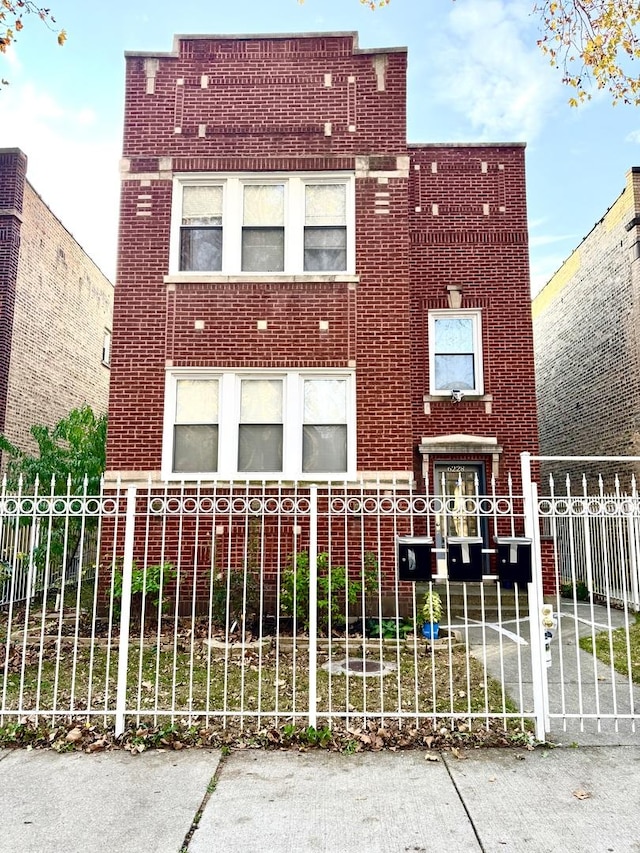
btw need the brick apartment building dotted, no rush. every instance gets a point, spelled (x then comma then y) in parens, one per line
(302, 295)
(55, 313)
(587, 342)
(300, 290)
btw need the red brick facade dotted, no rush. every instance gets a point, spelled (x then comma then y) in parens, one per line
(433, 224)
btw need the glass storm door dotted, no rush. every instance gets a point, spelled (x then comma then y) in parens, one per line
(457, 482)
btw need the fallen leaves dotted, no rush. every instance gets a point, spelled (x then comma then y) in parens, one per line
(581, 794)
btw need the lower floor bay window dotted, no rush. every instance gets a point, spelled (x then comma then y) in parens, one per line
(259, 424)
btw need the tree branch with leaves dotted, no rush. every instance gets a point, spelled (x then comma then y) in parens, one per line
(592, 42)
(13, 15)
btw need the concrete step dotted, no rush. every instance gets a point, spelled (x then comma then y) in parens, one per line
(480, 602)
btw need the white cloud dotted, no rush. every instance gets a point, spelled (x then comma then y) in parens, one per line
(634, 136)
(72, 164)
(492, 72)
(546, 239)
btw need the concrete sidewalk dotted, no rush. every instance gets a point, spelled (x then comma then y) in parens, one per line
(573, 800)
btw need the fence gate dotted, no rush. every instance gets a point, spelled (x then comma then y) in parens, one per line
(588, 529)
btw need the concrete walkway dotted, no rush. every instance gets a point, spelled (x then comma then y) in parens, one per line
(574, 800)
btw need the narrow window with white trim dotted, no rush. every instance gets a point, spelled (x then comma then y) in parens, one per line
(195, 438)
(201, 228)
(260, 429)
(455, 352)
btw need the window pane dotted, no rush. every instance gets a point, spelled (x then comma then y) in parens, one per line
(263, 204)
(325, 401)
(262, 249)
(261, 401)
(325, 204)
(454, 334)
(454, 371)
(201, 249)
(324, 449)
(260, 447)
(196, 401)
(195, 448)
(325, 249)
(202, 206)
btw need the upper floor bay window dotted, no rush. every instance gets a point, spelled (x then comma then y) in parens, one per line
(256, 424)
(455, 352)
(267, 224)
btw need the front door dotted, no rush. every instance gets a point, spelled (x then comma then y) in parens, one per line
(457, 481)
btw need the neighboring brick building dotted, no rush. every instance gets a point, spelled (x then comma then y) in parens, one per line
(301, 295)
(587, 342)
(55, 313)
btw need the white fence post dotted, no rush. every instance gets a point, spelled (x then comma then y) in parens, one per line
(125, 611)
(538, 665)
(313, 605)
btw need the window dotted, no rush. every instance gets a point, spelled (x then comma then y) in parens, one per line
(106, 347)
(325, 227)
(267, 224)
(324, 431)
(287, 425)
(201, 228)
(455, 352)
(263, 228)
(195, 437)
(260, 429)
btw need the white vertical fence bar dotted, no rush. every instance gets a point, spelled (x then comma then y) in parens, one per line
(313, 605)
(538, 668)
(125, 613)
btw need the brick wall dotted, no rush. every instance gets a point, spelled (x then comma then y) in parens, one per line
(469, 231)
(62, 307)
(13, 167)
(587, 343)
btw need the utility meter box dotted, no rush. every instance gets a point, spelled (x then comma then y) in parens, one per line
(514, 559)
(414, 558)
(464, 558)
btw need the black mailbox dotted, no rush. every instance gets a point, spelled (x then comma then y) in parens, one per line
(514, 559)
(464, 558)
(414, 558)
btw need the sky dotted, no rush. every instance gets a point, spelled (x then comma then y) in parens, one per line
(475, 75)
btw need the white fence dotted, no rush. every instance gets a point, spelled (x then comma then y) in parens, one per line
(247, 606)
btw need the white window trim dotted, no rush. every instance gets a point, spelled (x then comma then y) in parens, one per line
(229, 416)
(476, 316)
(232, 219)
(106, 347)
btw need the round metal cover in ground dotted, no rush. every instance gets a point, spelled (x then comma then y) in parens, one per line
(359, 666)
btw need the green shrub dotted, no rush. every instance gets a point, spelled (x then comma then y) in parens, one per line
(581, 591)
(431, 606)
(335, 589)
(390, 629)
(149, 583)
(229, 593)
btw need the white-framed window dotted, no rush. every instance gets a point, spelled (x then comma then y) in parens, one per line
(263, 224)
(259, 424)
(455, 352)
(106, 347)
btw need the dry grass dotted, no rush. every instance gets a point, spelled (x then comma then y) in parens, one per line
(187, 676)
